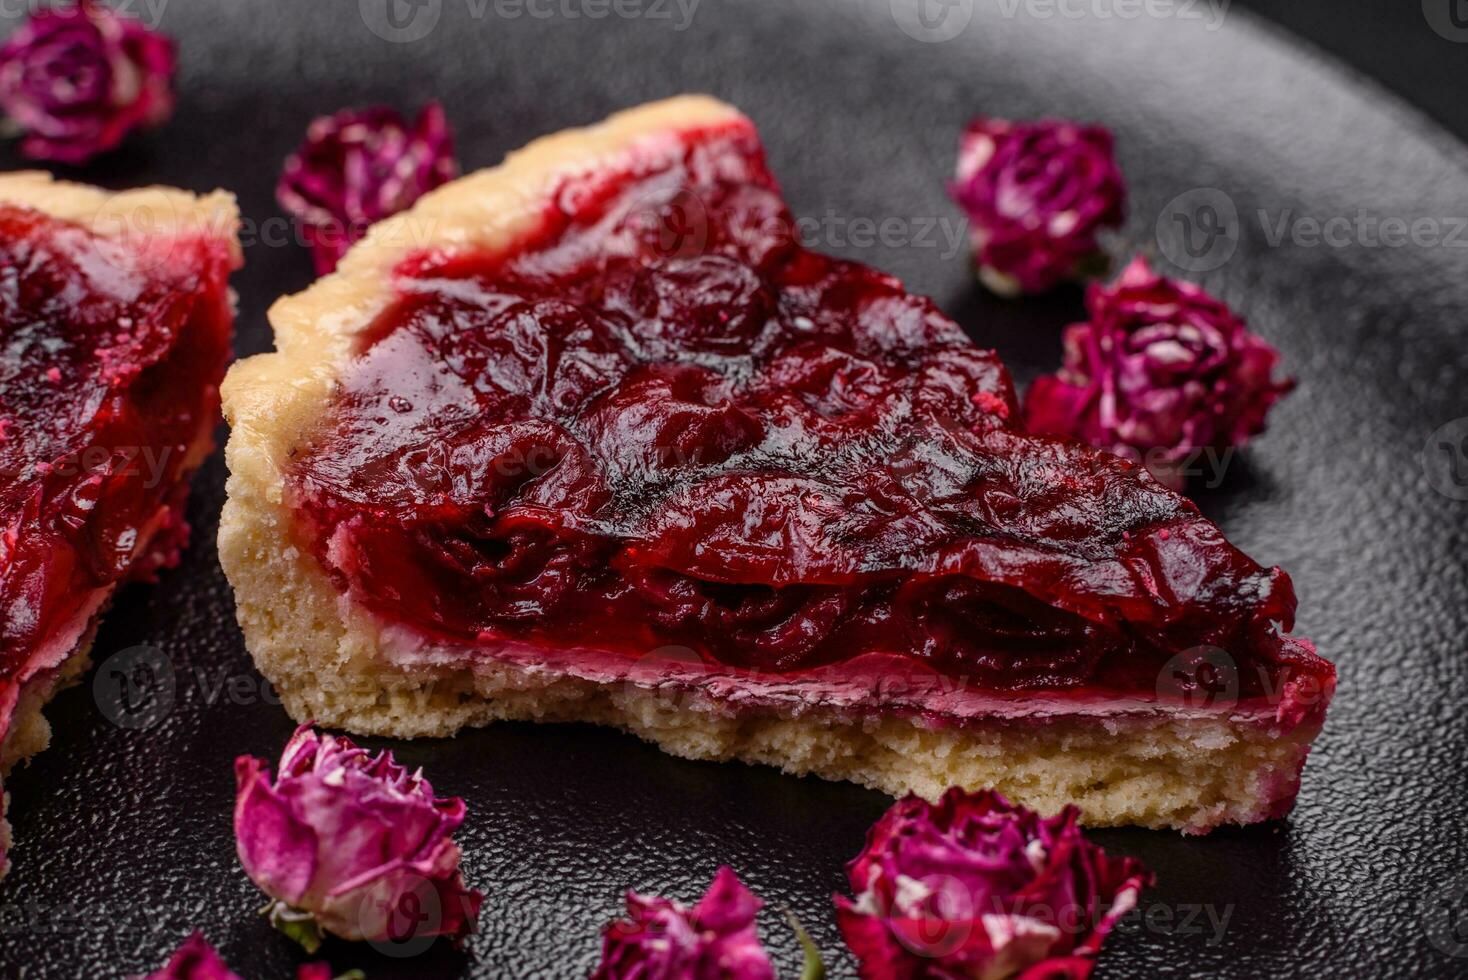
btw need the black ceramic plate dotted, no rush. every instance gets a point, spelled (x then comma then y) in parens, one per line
(1293, 181)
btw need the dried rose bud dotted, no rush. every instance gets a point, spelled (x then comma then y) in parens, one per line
(360, 166)
(1160, 373)
(194, 960)
(76, 79)
(1036, 195)
(197, 960)
(323, 971)
(351, 844)
(974, 886)
(715, 940)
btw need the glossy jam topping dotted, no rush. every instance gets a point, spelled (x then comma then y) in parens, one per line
(111, 353)
(660, 421)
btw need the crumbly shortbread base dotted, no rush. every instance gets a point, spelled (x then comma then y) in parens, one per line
(331, 663)
(30, 732)
(146, 212)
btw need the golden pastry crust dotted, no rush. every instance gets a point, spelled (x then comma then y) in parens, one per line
(332, 662)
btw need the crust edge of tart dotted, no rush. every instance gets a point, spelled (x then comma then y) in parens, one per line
(141, 211)
(145, 211)
(326, 657)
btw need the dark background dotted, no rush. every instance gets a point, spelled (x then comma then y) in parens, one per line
(123, 837)
(1386, 40)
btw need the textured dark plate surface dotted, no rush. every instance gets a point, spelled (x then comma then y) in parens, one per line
(123, 833)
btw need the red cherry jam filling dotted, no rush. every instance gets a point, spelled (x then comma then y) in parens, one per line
(661, 421)
(111, 353)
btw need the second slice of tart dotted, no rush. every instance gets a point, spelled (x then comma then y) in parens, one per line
(115, 324)
(591, 436)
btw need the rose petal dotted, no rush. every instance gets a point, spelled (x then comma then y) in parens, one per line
(973, 886)
(354, 840)
(715, 940)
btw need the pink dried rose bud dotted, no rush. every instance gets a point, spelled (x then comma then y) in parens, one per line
(77, 78)
(973, 886)
(1161, 373)
(351, 844)
(194, 960)
(1037, 194)
(714, 940)
(197, 960)
(323, 971)
(360, 166)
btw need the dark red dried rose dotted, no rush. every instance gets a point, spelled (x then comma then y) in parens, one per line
(663, 939)
(1036, 194)
(1160, 372)
(973, 886)
(197, 960)
(360, 166)
(76, 79)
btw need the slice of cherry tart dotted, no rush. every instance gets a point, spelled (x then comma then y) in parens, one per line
(115, 322)
(591, 436)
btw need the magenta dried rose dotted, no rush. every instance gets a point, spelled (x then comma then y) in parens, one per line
(194, 960)
(1037, 194)
(197, 960)
(360, 166)
(77, 78)
(1160, 373)
(973, 886)
(663, 940)
(352, 844)
(323, 971)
